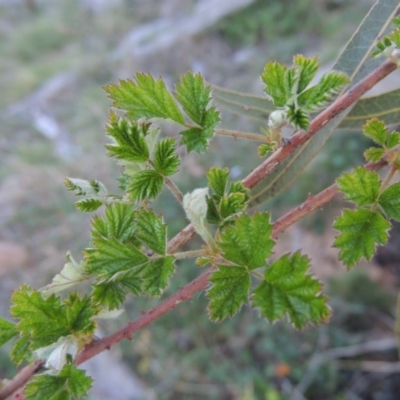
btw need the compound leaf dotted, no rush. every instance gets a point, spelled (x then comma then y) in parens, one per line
(361, 230)
(151, 231)
(248, 242)
(288, 289)
(145, 185)
(389, 200)
(197, 139)
(166, 161)
(194, 96)
(70, 383)
(360, 186)
(229, 290)
(145, 97)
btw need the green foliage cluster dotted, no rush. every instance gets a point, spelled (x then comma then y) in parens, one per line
(129, 253)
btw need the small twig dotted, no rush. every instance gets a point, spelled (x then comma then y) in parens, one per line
(383, 367)
(243, 135)
(175, 191)
(20, 379)
(190, 254)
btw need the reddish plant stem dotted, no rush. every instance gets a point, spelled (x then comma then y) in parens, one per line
(200, 283)
(343, 102)
(20, 379)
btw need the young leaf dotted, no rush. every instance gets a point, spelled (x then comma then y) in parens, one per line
(145, 185)
(376, 130)
(69, 384)
(360, 186)
(248, 242)
(361, 230)
(288, 289)
(151, 231)
(389, 200)
(20, 351)
(320, 94)
(82, 187)
(156, 275)
(88, 205)
(118, 222)
(298, 117)
(197, 139)
(374, 154)
(306, 68)
(194, 96)
(229, 290)
(70, 275)
(7, 331)
(110, 256)
(146, 97)
(232, 204)
(46, 320)
(218, 179)
(166, 161)
(393, 139)
(130, 143)
(278, 80)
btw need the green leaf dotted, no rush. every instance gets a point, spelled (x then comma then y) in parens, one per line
(151, 231)
(194, 95)
(145, 185)
(71, 274)
(360, 186)
(42, 319)
(118, 222)
(264, 149)
(218, 179)
(278, 80)
(70, 383)
(229, 290)
(376, 130)
(130, 143)
(393, 139)
(361, 230)
(248, 242)
(46, 320)
(82, 187)
(389, 200)
(305, 71)
(288, 289)
(7, 331)
(374, 154)
(232, 204)
(197, 139)
(166, 161)
(320, 94)
(20, 351)
(88, 205)
(156, 275)
(110, 256)
(145, 97)
(298, 117)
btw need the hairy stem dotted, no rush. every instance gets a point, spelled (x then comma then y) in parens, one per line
(175, 191)
(190, 254)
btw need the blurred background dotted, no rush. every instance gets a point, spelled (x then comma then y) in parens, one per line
(54, 59)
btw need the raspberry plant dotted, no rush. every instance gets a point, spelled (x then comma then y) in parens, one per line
(130, 253)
